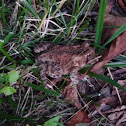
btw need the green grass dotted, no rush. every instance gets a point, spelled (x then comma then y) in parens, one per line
(2, 43)
(99, 27)
(100, 22)
(20, 30)
(104, 78)
(116, 34)
(3, 13)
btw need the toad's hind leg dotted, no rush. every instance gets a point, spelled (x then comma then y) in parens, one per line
(42, 47)
(42, 72)
(45, 80)
(74, 75)
(54, 70)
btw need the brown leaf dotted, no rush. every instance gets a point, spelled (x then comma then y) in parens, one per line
(121, 93)
(111, 20)
(109, 6)
(80, 117)
(122, 4)
(70, 93)
(103, 105)
(107, 103)
(116, 48)
(119, 74)
(117, 115)
(118, 45)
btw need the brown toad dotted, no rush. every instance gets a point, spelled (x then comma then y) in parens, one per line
(57, 60)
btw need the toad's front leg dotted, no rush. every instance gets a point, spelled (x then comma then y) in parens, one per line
(75, 76)
(43, 75)
(45, 80)
(42, 47)
(43, 69)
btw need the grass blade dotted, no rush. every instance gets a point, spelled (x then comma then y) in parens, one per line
(29, 7)
(43, 89)
(100, 21)
(116, 34)
(73, 17)
(58, 38)
(107, 80)
(115, 64)
(6, 39)
(86, 6)
(121, 58)
(2, 43)
(83, 26)
(7, 56)
(60, 14)
(103, 78)
(12, 117)
(3, 13)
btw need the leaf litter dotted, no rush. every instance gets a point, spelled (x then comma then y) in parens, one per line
(110, 107)
(116, 47)
(107, 104)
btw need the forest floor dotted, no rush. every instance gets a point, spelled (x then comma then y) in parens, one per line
(89, 89)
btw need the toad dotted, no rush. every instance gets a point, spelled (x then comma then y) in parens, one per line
(58, 60)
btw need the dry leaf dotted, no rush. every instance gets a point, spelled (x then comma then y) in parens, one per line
(122, 4)
(70, 93)
(80, 117)
(107, 103)
(121, 93)
(116, 48)
(119, 74)
(117, 115)
(104, 105)
(118, 45)
(109, 6)
(111, 20)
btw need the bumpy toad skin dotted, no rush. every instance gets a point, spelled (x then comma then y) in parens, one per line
(58, 60)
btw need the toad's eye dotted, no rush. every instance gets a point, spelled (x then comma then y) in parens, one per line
(46, 62)
(88, 55)
(84, 50)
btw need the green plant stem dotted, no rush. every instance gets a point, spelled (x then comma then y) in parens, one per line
(100, 22)
(7, 56)
(3, 13)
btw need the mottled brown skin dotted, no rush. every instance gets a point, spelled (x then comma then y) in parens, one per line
(58, 60)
